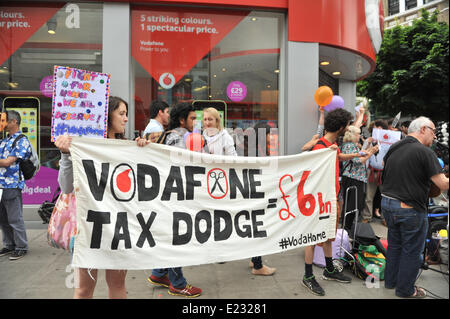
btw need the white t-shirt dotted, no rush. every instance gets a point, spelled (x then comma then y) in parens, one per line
(153, 127)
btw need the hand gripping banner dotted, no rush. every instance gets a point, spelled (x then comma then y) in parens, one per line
(158, 206)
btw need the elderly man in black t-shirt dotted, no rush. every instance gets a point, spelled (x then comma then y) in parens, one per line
(409, 167)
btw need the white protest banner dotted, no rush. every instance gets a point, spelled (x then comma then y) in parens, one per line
(158, 206)
(385, 139)
(80, 103)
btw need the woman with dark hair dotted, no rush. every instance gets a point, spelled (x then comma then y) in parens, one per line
(117, 120)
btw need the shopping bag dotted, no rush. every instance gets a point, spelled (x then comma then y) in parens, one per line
(62, 226)
(341, 237)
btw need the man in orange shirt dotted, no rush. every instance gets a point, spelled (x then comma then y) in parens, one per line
(336, 123)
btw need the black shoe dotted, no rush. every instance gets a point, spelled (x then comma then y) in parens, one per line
(17, 254)
(6, 251)
(336, 275)
(313, 286)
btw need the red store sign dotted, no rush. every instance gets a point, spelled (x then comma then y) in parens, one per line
(168, 42)
(18, 23)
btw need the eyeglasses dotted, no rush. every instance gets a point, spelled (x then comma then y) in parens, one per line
(432, 129)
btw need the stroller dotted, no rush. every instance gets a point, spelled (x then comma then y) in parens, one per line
(366, 248)
(437, 221)
(436, 247)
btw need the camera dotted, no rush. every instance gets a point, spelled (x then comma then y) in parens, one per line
(374, 143)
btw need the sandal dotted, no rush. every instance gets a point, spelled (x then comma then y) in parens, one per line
(418, 293)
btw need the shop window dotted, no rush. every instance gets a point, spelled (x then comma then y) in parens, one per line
(409, 4)
(238, 64)
(393, 7)
(35, 38)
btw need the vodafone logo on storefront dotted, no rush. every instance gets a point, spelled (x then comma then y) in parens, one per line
(168, 42)
(167, 80)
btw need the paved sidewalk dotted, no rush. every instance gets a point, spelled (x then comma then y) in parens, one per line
(45, 273)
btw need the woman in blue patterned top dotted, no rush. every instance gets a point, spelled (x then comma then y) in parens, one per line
(354, 173)
(11, 185)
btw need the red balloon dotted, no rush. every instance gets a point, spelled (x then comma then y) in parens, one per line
(195, 142)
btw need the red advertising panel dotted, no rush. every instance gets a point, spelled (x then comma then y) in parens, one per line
(340, 23)
(18, 23)
(169, 42)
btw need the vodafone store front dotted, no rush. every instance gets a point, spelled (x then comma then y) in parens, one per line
(256, 61)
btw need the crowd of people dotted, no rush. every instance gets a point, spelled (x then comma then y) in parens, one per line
(393, 188)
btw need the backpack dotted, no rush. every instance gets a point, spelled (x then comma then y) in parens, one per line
(318, 142)
(368, 262)
(29, 166)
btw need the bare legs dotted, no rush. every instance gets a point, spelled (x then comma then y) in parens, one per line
(87, 279)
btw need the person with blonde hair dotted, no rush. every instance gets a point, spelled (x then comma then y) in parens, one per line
(354, 174)
(218, 140)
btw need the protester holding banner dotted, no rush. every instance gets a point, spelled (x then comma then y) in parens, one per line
(409, 168)
(159, 119)
(336, 123)
(262, 148)
(117, 119)
(218, 139)
(354, 174)
(221, 143)
(182, 118)
(12, 183)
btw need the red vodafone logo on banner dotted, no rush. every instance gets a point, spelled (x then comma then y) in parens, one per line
(17, 24)
(169, 42)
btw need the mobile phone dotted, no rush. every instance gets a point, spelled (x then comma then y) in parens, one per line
(25, 106)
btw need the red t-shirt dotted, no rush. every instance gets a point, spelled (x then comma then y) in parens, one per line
(319, 146)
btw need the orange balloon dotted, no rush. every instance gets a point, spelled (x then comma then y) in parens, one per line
(323, 95)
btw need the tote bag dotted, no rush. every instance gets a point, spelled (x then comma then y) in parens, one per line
(62, 226)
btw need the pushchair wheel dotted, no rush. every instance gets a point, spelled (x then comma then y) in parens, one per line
(338, 265)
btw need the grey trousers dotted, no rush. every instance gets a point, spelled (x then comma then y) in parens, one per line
(11, 220)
